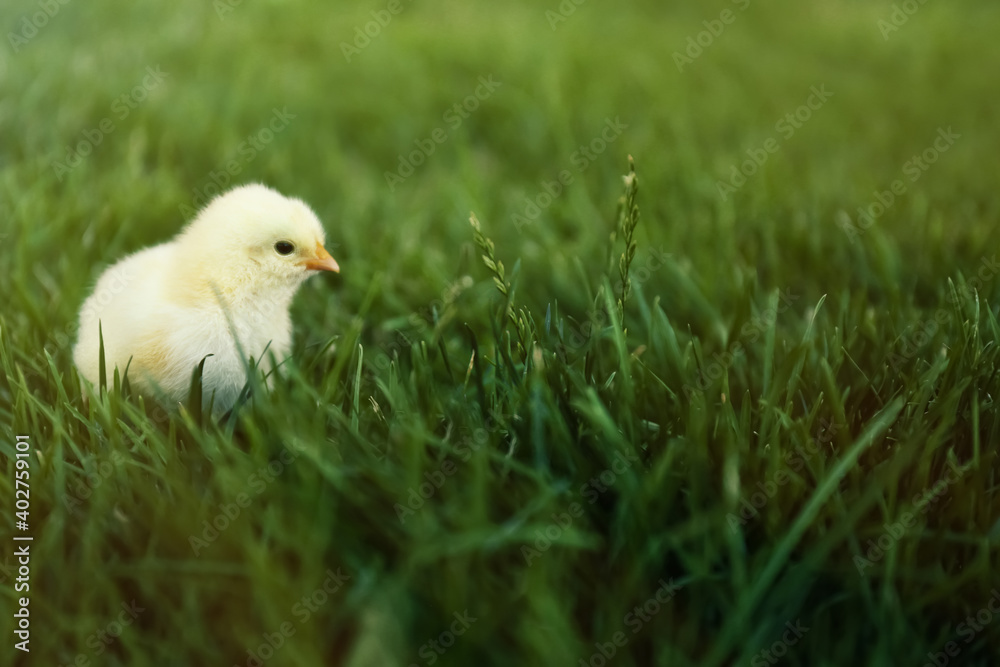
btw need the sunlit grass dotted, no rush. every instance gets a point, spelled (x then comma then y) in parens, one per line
(489, 420)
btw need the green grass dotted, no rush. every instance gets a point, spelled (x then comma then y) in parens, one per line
(577, 455)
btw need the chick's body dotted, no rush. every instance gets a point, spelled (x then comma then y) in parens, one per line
(223, 287)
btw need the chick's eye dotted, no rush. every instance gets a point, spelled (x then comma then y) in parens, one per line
(284, 247)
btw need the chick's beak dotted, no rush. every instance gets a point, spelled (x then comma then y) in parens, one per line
(323, 261)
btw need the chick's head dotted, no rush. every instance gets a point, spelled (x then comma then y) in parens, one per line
(253, 238)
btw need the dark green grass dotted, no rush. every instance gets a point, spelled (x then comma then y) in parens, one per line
(759, 344)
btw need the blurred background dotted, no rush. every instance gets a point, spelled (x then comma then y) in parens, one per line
(845, 148)
(357, 106)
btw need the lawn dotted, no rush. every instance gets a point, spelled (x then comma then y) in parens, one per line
(775, 440)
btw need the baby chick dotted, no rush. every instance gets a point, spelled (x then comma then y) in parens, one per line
(222, 287)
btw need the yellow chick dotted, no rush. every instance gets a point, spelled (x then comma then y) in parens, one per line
(222, 287)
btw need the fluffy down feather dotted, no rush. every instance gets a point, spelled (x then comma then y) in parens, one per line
(222, 287)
